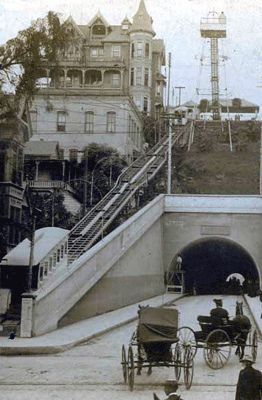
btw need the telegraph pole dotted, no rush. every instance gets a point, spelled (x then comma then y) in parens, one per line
(260, 168)
(179, 93)
(169, 168)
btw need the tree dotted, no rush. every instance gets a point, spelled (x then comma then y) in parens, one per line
(51, 207)
(22, 57)
(153, 130)
(99, 170)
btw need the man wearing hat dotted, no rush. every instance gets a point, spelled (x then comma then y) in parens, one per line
(219, 311)
(170, 389)
(249, 385)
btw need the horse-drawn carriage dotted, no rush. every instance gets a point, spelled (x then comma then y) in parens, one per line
(217, 337)
(155, 344)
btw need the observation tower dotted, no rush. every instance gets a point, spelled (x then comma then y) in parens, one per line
(213, 27)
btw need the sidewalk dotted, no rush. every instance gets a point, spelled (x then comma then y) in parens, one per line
(255, 308)
(69, 336)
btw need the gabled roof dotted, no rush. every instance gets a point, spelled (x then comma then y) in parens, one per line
(71, 21)
(116, 35)
(126, 21)
(98, 16)
(84, 29)
(142, 20)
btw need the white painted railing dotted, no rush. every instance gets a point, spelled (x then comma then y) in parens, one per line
(55, 258)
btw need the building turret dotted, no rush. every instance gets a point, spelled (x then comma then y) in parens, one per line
(142, 22)
(141, 41)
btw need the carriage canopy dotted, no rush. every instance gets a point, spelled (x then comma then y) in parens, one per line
(157, 325)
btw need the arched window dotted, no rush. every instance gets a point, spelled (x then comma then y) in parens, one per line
(111, 122)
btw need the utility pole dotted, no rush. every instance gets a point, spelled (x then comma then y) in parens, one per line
(85, 188)
(260, 169)
(180, 88)
(31, 256)
(169, 167)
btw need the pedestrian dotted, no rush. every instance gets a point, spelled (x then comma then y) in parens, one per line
(249, 385)
(170, 389)
(179, 261)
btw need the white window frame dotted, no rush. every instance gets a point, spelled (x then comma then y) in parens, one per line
(147, 45)
(139, 76)
(146, 73)
(96, 52)
(116, 51)
(116, 80)
(89, 122)
(61, 121)
(146, 101)
(139, 49)
(111, 122)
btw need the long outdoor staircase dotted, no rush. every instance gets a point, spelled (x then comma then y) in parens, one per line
(92, 226)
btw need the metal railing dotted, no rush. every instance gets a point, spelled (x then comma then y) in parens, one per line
(137, 175)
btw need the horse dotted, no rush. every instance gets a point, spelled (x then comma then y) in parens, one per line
(242, 327)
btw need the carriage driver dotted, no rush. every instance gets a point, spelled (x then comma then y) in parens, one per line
(219, 311)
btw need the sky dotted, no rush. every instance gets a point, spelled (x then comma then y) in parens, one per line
(178, 23)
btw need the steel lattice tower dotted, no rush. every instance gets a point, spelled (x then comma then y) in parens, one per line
(213, 27)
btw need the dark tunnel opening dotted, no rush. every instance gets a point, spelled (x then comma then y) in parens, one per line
(207, 263)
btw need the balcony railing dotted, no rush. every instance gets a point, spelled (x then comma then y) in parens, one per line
(50, 185)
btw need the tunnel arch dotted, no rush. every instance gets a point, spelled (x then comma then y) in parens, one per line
(207, 262)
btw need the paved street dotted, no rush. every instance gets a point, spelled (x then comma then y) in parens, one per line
(93, 370)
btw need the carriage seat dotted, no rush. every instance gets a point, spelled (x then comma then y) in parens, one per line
(208, 323)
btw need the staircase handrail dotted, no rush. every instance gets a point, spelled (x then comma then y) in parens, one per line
(119, 178)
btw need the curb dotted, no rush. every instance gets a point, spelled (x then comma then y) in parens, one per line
(58, 348)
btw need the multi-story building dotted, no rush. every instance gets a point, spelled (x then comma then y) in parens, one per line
(108, 76)
(11, 169)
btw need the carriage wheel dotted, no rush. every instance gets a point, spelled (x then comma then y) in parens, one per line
(188, 367)
(124, 363)
(177, 359)
(254, 345)
(130, 369)
(217, 349)
(187, 338)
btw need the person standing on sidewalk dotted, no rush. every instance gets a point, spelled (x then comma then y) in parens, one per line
(249, 385)
(170, 389)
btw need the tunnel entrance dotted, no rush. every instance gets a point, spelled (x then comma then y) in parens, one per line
(209, 263)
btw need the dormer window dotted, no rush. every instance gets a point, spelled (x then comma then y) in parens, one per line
(99, 30)
(125, 27)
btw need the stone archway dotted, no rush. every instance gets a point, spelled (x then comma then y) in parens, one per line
(208, 262)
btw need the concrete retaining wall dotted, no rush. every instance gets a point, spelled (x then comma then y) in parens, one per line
(125, 267)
